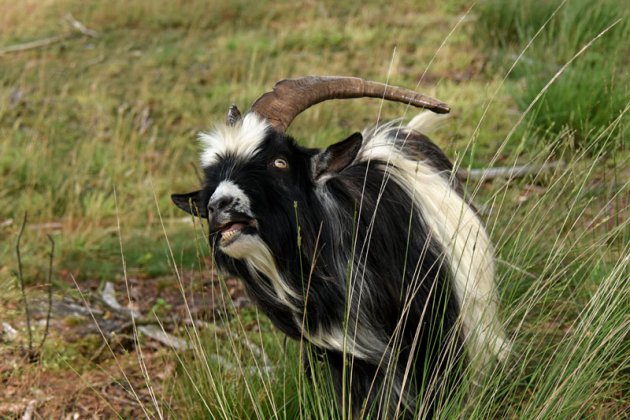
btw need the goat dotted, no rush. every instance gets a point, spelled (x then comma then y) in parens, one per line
(366, 250)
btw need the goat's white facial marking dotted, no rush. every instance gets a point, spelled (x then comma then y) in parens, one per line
(230, 212)
(242, 139)
(228, 188)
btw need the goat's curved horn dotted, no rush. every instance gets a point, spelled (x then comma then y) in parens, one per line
(292, 96)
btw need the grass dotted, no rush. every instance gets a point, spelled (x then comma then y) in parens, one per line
(592, 92)
(93, 130)
(124, 109)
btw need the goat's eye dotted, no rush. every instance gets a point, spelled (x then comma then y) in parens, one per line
(280, 163)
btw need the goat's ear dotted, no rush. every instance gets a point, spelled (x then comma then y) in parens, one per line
(337, 156)
(190, 203)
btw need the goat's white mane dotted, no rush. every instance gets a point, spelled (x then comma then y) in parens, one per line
(242, 139)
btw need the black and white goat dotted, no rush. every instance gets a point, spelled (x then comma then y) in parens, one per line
(367, 250)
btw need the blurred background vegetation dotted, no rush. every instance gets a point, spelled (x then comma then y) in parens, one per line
(98, 127)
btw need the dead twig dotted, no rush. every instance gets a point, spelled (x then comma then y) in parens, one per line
(22, 287)
(118, 333)
(147, 326)
(511, 172)
(79, 28)
(158, 334)
(142, 321)
(108, 295)
(50, 286)
(46, 226)
(154, 329)
(35, 44)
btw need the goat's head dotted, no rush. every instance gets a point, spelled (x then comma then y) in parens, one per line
(255, 173)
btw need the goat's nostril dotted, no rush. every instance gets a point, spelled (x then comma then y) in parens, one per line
(220, 203)
(224, 202)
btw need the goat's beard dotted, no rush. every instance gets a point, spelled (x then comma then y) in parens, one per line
(241, 245)
(235, 234)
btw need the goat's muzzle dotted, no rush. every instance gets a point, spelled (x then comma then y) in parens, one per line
(226, 227)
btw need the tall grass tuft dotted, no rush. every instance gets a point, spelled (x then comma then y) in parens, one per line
(594, 90)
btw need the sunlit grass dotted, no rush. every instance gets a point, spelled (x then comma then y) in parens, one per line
(122, 110)
(593, 91)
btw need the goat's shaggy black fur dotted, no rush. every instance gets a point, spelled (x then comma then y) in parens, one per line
(356, 270)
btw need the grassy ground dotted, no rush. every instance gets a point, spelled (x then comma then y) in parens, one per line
(97, 131)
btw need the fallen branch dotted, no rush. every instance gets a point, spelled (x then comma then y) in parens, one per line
(118, 334)
(78, 27)
(35, 44)
(108, 295)
(511, 172)
(47, 226)
(65, 307)
(147, 326)
(154, 329)
(158, 334)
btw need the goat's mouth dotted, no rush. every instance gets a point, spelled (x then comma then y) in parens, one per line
(231, 231)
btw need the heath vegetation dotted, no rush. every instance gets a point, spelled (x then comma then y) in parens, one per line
(100, 106)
